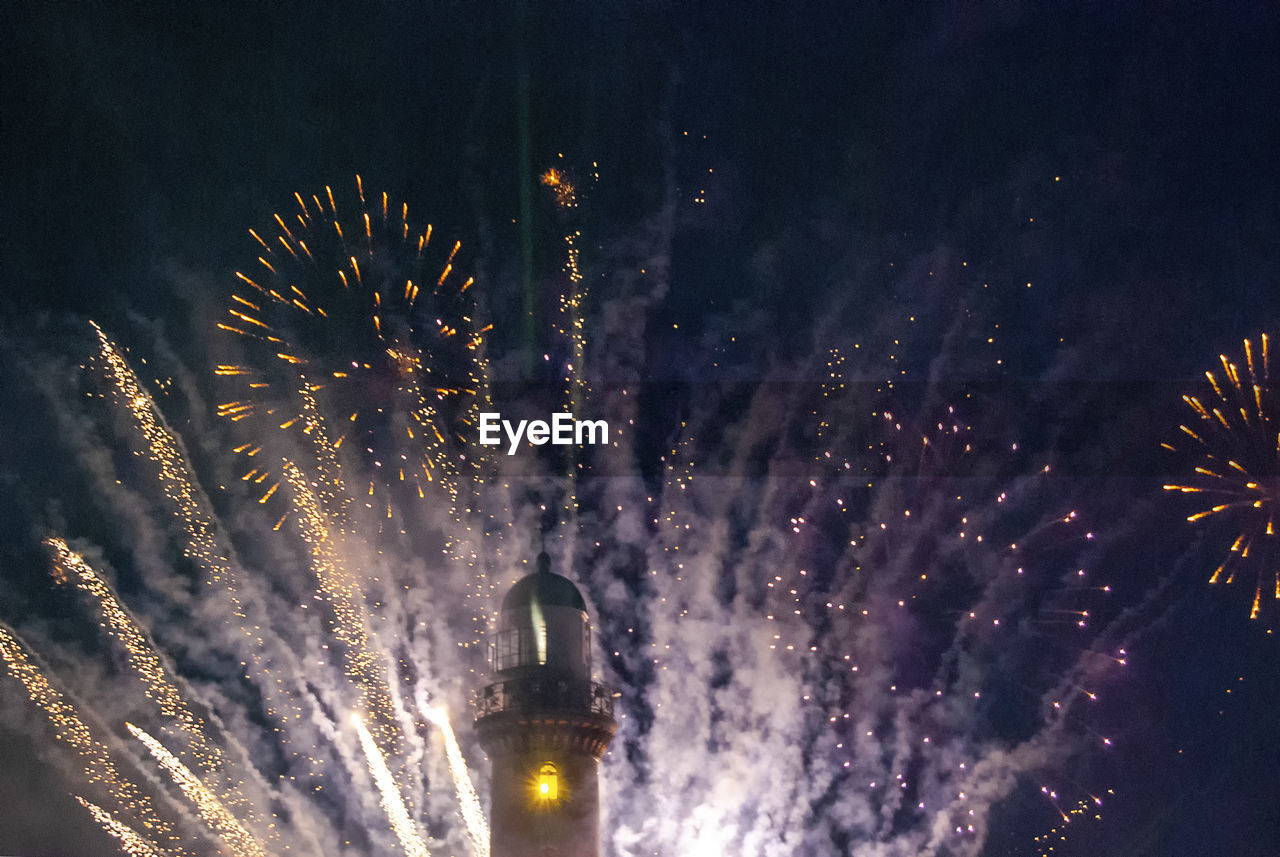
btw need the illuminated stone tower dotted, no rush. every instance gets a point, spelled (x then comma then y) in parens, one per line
(544, 722)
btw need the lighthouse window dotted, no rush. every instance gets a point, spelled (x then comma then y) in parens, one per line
(548, 782)
(519, 647)
(504, 651)
(533, 645)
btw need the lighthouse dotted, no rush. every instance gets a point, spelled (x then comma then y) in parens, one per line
(544, 723)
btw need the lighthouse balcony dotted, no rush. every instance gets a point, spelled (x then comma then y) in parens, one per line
(530, 695)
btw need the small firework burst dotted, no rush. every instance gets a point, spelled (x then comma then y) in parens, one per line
(1236, 440)
(564, 187)
(361, 340)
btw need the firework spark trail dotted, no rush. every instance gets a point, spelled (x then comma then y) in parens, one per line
(392, 800)
(218, 817)
(175, 474)
(150, 669)
(571, 325)
(72, 730)
(363, 665)
(272, 665)
(328, 471)
(468, 800)
(129, 839)
(141, 654)
(1237, 441)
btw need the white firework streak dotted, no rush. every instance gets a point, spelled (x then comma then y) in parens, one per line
(392, 800)
(468, 800)
(130, 840)
(151, 670)
(217, 816)
(65, 719)
(193, 511)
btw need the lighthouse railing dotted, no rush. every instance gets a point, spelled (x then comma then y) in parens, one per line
(534, 694)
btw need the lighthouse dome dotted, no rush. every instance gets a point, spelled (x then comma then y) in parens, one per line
(545, 588)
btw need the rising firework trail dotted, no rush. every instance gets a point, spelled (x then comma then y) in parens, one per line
(363, 665)
(100, 768)
(129, 839)
(221, 820)
(468, 800)
(392, 800)
(1235, 440)
(148, 664)
(570, 322)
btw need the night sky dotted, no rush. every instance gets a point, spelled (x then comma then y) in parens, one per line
(1097, 182)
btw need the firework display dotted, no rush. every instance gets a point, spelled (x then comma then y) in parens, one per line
(359, 309)
(907, 517)
(725, 435)
(1236, 441)
(99, 768)
(818, 588)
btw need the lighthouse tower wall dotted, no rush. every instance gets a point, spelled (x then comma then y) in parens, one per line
(527, 823)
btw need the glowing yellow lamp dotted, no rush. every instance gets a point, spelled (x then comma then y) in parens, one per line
(548, 782)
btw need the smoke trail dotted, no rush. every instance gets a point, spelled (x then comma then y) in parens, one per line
(130, 841)
(343, 593)
(217, 816)
(72, 730)
(392, 801)
(198, 523)
(468, 800)
(147, 664)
